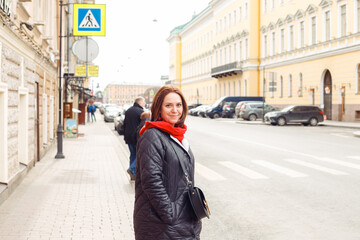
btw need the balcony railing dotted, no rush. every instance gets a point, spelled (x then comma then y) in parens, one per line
(226, 70)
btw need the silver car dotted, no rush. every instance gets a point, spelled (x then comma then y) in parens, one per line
(111, 113)
(255, 110)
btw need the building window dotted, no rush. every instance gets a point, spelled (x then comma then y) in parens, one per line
(220, 25)
(313, 30)
(273, 49)
(302, 34)
(265, 46)
(234, 51)
(234, 17)
(216, 28)
(358, 15)
(281, 84)
(240, 13)
(246, 10)
(327, 26)
(300, 90)
(225, 55)
(234, 89)
(239, 87)
(291, 38)
(245, 88)
(290, 86)
(240, 51)
(282, 40)
(230, 54)
(272, 4)
(229, 20)
(247, 48)
(220, 57)
(265, 6)
(358, 80)
(343, 20)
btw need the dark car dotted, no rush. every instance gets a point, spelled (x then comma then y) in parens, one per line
(216, 109)
(307, 115)
(229, 110)
(255, 110)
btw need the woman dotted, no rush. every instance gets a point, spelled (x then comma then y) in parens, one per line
(162, 208)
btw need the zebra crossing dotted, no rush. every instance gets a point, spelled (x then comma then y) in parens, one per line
(263, 168)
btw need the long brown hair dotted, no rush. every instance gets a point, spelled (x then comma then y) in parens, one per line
(159, 99)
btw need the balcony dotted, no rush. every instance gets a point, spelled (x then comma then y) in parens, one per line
(229, 69)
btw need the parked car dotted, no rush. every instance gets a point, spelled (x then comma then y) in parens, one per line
(240, 104)
(216, 109)
(202, 110)
(307, 115)
(104, 106)
(229, 110)
(255, 110)
(118, 118)
(194, 111)
(191, 106)
(111, 113)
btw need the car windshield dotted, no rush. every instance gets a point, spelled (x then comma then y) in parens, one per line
(286, 109)
(218, 102)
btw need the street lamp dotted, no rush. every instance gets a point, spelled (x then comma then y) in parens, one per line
(60, 130)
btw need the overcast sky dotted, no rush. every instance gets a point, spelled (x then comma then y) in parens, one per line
(135, 49)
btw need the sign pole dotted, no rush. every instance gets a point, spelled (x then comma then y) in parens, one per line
(60, 130)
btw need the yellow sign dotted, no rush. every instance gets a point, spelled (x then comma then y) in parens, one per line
(80, 71)
(89, 20)
(93, 71)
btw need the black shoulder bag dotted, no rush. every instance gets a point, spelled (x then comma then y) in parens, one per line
(196, 196)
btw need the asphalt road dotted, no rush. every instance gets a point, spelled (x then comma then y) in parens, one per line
(269, 182)
(276, 183)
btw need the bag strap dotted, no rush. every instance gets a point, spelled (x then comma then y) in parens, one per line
(189, 183)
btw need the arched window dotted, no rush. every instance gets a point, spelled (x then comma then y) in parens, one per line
(290, 86)
(281, 84)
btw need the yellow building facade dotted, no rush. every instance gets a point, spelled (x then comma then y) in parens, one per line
(291, 52)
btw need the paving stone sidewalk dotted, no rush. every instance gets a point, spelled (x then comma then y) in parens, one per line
(87, 195)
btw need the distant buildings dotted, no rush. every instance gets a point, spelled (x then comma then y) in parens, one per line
(291, 52)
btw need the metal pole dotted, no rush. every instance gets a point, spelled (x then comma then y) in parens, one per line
(60, 130)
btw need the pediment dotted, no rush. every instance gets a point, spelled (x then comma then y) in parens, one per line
(263, 29)
(325, 3)
(311, 9)
(280, 22)
(271, 26)
(289, 18)
(299, 14)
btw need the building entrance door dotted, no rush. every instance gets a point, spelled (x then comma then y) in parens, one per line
(328, 95)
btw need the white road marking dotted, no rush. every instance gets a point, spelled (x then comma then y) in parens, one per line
(354, 157)
(242, 170)
(341, 163)
(339, 135)
(279, 169)
(208, 173)
(316, 167)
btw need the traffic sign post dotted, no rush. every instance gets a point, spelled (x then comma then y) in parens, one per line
(89, 20)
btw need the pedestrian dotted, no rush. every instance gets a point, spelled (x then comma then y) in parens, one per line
(131, 122)
(162, 207)
(88, 112)
(93, 110)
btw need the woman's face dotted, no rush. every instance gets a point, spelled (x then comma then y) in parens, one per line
(172, 108)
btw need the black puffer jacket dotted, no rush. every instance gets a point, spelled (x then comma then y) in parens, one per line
(162, 208)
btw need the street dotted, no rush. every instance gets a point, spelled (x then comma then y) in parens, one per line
(268, 182)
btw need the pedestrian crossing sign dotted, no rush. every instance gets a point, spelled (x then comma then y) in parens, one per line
(89, 20)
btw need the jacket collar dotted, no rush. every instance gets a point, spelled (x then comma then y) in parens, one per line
(137, 105)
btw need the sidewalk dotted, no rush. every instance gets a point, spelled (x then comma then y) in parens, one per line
(87, 195)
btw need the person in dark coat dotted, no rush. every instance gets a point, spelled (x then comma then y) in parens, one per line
(162, 208)
(131, 122)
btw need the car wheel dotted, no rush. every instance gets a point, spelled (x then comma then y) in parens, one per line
(216, 115)
(313, 121)
(252, 117)
(281, 121)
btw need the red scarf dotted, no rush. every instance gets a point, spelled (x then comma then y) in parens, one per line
(177, 132)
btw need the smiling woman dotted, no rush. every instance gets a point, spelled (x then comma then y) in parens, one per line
(162, 207)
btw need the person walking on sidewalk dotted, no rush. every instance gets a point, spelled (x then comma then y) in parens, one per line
(131, 122)
(162, 207)
(93, 110)
(88, 112)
